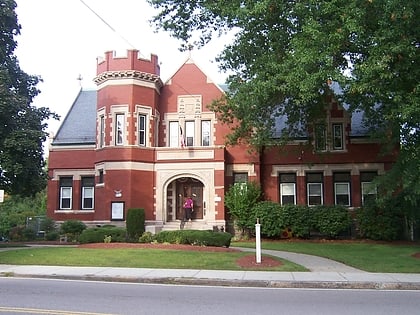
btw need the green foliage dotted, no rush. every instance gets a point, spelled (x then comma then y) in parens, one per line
(48, 225)
(379, 223)
(15, 209)
(135, 223)
(72, 228)
(22, 125)
(269, 215)
(331, 220)
(52, 236)
(240, 200)
(147, 237)
(284, 54)
(195, 237)
(100, 234)
(298, 218)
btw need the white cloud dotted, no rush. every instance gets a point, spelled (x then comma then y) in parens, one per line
(61, 39)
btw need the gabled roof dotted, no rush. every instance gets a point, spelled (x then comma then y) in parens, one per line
(79, 125)
(358, 127)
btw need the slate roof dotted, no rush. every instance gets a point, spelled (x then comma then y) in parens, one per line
(79, 125)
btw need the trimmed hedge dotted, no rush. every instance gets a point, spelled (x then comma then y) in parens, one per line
(135, 223)
(195, 237)
(98, 234)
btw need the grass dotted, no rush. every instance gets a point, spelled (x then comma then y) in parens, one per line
(135, 258)
(368, 256)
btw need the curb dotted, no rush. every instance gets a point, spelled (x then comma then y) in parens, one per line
(358, 285)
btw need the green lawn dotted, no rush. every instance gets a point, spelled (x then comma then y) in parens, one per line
(136, 258)
(368, 256)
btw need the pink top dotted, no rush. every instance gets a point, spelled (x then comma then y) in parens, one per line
(188, 203)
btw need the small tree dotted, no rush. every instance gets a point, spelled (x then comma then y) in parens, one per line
(135, 223)
(240, 199)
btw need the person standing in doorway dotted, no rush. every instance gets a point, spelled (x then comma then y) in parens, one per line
(188, 208)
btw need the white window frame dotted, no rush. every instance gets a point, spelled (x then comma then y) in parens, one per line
(66, 193)
(189, 133)
(290, 186)
(85, 195)
(174, 134)
(309, 194)
(339, 128)
(368, 188)
(205, 132)
(336, 194)
(142, 131)
(119, 128)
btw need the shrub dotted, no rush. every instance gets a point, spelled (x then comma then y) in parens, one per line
(48, 225)
(135, 223)
(331, 220)
(298, 219)
(240, 199)
(72, 228)
(98, 235)
(52, 236)
(29, 234)
(146, 237)
(269, 215)
(379, 223)
(195, 237)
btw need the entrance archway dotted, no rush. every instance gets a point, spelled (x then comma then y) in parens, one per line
(177, 191)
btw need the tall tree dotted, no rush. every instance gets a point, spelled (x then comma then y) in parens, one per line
(286, 53)
(22, 125)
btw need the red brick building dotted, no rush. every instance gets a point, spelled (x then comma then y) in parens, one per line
(138, 142)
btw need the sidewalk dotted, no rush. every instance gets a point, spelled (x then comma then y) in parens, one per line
(324, 273)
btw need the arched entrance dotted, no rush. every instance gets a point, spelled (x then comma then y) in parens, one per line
(177, 191)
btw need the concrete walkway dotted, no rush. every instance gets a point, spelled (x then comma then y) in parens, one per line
(324, 273)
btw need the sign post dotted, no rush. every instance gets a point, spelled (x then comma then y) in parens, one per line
(258, 241)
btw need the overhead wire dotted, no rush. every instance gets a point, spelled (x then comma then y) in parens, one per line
(107, 24)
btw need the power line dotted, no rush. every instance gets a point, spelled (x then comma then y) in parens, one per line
(107, 24)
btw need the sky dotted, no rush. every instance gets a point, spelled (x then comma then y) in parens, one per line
(61, 40)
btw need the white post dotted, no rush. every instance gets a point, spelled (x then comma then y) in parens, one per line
(258, 241)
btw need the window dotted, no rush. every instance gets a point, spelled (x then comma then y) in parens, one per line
(205, 133)
(174, 133)
(342, 189)
(66, 192)
(88, 192)
(320, 137)
(314, 189)
(101, 177)
(369, 189)
(287, 189)
(102, 131)
(240, 178)
(337, 137)
(142, 129)
(189, 133)
(119, 129)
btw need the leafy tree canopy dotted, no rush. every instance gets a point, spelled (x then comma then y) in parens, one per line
(285, 54)
(22, 125)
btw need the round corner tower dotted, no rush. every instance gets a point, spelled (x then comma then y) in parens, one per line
(127, 99)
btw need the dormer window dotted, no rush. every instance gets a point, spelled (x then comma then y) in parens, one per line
(329, 137)
(337, 131)
(320, 137)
